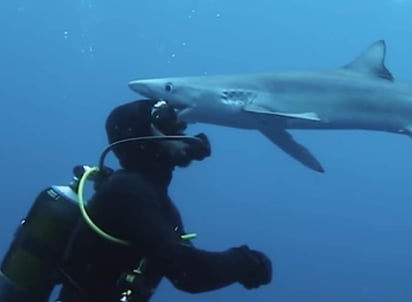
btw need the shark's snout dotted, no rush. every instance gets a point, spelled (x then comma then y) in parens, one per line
(140, 87)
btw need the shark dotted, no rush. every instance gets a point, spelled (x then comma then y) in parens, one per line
(359, 95)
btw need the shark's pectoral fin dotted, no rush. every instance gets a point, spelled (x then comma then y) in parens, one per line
(407, 130)
(286, 142)
(254, 108)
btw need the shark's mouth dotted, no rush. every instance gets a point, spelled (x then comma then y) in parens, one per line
(178, 106)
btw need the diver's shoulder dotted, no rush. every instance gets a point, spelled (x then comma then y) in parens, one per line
(123, 187)
(127, 180)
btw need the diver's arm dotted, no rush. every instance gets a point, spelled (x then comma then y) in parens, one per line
(191, 269)
(194, 270)
(156, 234)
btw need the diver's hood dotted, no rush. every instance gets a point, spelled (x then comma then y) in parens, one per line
(158, 156)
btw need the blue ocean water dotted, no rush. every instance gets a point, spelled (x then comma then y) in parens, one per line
(341, 236)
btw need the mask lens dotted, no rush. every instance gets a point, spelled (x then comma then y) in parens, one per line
(164, 118)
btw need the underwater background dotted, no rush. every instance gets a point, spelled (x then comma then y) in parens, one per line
(345, 235)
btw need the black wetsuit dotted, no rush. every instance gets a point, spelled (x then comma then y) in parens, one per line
(137, 208)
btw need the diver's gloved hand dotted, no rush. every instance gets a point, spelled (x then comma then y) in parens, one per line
(256, 268)
(201, 149)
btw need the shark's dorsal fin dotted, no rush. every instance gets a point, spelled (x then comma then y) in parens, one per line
(372, 62)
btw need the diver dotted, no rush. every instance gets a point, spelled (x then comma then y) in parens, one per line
(133, 204)
(131, 235)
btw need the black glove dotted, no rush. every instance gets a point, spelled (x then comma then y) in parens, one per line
(201, 149)
(256, 268)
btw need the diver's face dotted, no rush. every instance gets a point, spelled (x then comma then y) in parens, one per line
(165, 122)
(177, 149)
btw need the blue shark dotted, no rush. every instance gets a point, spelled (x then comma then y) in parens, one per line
(359, 95)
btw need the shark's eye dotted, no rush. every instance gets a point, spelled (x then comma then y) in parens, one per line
(169, 87)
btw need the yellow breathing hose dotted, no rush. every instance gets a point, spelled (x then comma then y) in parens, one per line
(89, 221)
(86, 217)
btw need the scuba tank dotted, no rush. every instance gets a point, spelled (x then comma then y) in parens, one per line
(32, 263)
